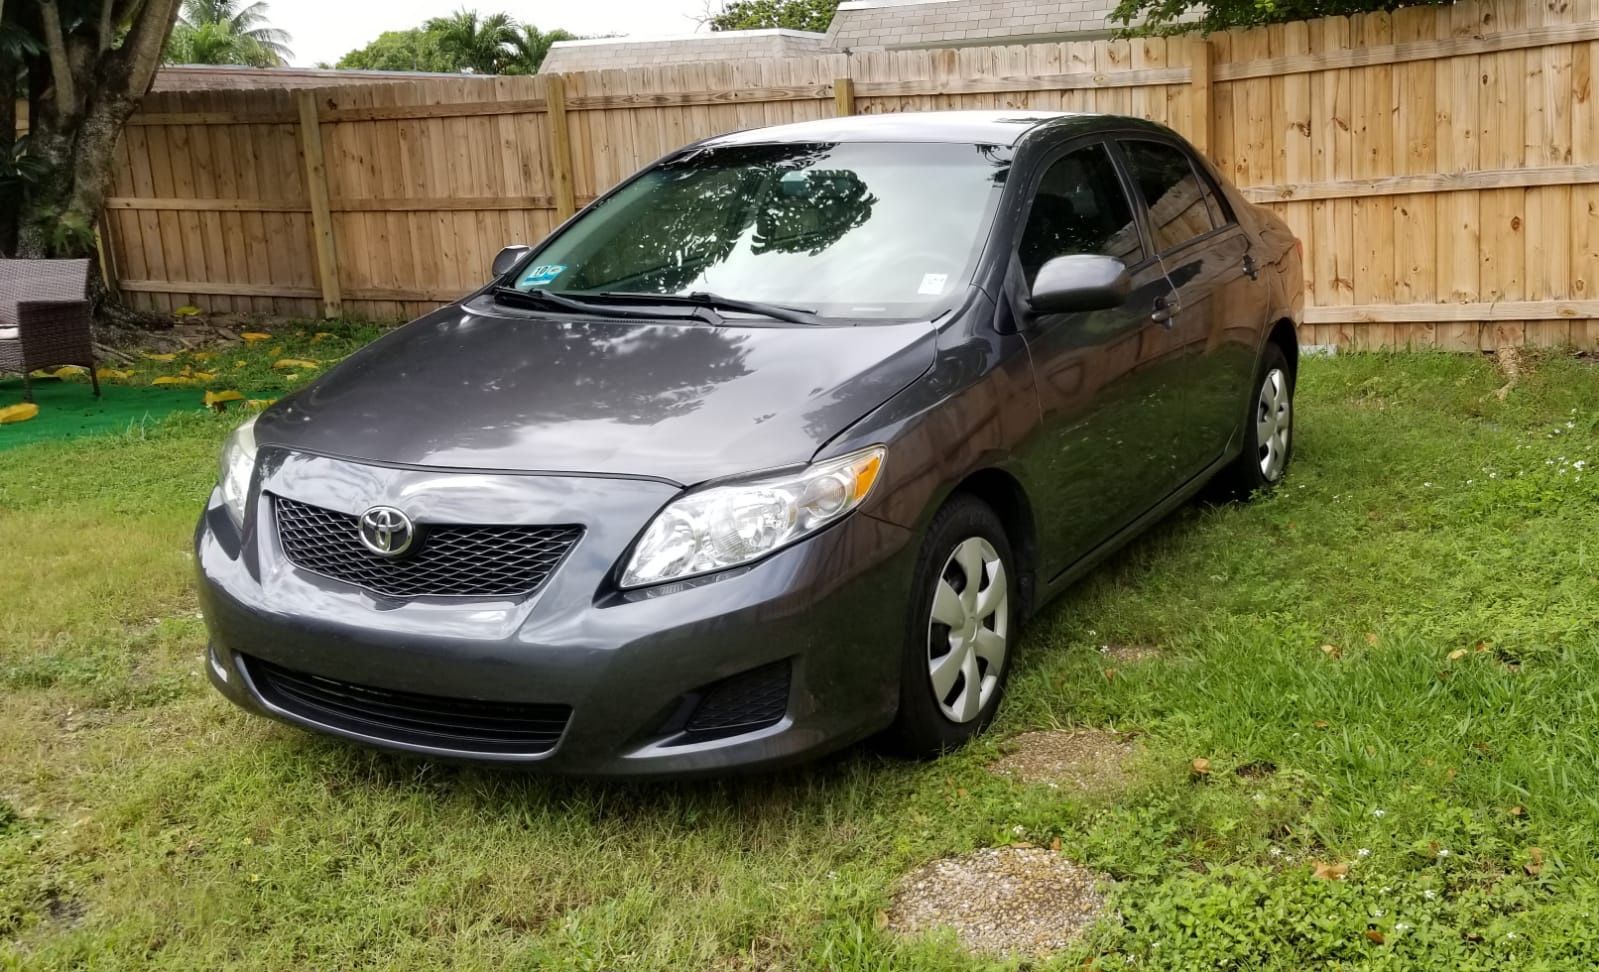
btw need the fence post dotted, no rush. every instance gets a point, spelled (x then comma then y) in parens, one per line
(316, 187)
(560, 139)
(1199, 94)
(843, 96)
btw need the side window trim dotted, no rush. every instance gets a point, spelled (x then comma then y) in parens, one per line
(1199, 173)
(1129, 192)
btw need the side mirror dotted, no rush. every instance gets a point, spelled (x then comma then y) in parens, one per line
(1080, 282)
(508, 258)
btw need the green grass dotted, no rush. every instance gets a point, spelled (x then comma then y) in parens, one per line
(145, 823)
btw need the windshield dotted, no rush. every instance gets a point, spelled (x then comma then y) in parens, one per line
(853, 229)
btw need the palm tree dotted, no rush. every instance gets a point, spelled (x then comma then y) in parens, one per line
(481, 46)
(529, 48)
(227, 32)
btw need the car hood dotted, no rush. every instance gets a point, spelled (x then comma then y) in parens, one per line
(477, 386)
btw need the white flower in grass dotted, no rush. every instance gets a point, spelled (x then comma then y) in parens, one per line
(1378, 913)
(1379, 813)
(1364, 852)
(1402, 926)
(1443, 852)
(1429, 894)
(1510, 936)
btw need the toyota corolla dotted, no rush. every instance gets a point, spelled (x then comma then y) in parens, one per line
(771, 449)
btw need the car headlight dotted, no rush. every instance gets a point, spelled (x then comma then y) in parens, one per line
(725, 526)
(238, 465)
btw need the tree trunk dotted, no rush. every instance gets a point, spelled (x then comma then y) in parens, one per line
(8, 136)
(58, 214)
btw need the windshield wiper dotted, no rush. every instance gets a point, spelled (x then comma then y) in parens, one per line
(540, 299)
(716, 302)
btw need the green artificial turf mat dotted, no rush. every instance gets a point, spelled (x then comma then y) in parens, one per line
(69, 410)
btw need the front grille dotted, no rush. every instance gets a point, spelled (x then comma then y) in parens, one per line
(453, 561)
(462, 725)
(741, 703)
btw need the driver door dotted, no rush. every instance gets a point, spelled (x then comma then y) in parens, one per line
(1104, 450)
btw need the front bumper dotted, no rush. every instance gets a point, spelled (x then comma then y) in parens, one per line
(831, 608)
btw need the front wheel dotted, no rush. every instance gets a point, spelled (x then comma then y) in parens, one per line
(961, 644)
(1269, 433)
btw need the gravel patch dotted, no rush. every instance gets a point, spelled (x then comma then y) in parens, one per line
(1001, 901)
(1086, 759)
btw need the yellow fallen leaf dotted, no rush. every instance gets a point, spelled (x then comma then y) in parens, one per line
(216, 399)
(240, 364)
(1376, 936)
(254, 336)
(20, 412)
(204, 375)
(320, 335)
(70, 371)
(171, 380)
(169, 356)
(112, 373)
(203, 355)
(1322, 723)
(187, 310)
(1201, 766)
(1332, 651)
(292, 376)
(1457, 654)
(259, 403)
(1331, 872)
(284, 363)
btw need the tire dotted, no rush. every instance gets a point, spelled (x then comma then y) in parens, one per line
(944, 646)
(1268, 430)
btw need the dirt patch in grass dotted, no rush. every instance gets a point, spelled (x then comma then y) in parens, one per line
(1001, 901)
(1086, 759)
(1128, 654)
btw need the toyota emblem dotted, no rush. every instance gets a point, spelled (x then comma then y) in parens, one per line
(386, 531)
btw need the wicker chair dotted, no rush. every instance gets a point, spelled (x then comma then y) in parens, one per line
(44, 318)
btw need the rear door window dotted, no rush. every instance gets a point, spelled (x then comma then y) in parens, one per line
(1178, 208)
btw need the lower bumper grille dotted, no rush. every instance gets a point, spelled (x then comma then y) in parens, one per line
(741, 703)
(463, 725)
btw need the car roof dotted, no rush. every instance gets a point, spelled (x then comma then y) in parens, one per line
(963, 127)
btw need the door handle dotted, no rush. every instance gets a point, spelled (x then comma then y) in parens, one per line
(1251, 269)
(1166, 309)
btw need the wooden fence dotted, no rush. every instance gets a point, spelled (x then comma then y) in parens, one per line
(1441, 164)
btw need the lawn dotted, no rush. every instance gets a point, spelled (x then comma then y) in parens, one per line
(1389, 664)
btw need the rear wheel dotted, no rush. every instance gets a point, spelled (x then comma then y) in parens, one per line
(960, 647)
(1269, 433)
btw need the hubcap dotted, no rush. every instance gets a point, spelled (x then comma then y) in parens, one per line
(1273, 424)
(966, 636)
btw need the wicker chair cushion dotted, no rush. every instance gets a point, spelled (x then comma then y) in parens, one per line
(22, 280)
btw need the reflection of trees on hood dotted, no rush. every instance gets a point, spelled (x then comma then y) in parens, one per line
(706, 201)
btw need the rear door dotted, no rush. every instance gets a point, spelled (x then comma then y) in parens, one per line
(1221, 298)
(1101, 456)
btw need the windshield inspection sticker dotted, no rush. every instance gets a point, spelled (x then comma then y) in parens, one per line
(541, 275)
(932, 283)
